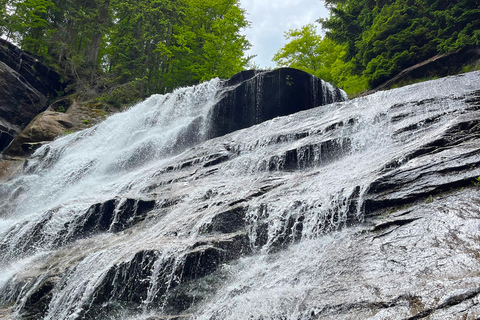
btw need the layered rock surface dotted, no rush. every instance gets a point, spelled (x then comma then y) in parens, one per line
(32, 70)
(26, 85)
(19, 104)
(365, 209)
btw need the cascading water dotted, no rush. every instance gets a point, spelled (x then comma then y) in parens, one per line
(154, 129)
(141, 217)
(45, 207)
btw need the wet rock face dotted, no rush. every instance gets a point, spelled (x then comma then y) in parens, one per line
(425, 176)
(257, 96)
(420, 262)
(111, 216)
(151, 279)
(339, 212)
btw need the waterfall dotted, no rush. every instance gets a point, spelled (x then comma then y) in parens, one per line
(72, 167)
(141, 216)
(45, 208)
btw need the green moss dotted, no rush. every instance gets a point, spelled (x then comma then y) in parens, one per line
(471, 67)
(476, 182)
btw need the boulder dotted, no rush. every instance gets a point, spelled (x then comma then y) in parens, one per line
(51, 124)
(45, 127)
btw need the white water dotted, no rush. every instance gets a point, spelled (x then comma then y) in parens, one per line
(72, 173)
(99, 162)
(288, 285)
(129, 153)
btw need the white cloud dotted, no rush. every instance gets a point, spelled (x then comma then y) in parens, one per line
(271, 18)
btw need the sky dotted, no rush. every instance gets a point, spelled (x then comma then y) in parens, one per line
(271, 18)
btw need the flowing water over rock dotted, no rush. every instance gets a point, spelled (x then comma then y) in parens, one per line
(362, 209)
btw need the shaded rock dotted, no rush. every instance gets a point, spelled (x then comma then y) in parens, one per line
(6, 136)
(152, 278)
(36, 305)
(26, 85)
(256, 96)
(309, 155)
(113, 216)
(226, 222)
(19, 104)
(32, 70)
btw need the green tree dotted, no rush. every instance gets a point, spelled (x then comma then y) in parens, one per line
(207, 43)
(303, 51)
(322, 57)
(348, 20)
(80, 29)
(383, 37)
(28, 23)
(400, 36)
(139, 28)
(4, 17)
(458, 24)
(145, 45)
(68, 34)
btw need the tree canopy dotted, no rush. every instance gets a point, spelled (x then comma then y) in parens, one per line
(156, 45)
(320, 56)
(369, 41)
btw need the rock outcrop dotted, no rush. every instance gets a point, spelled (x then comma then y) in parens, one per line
(26, 86)
(19, 104)
(251, 97)
(256, 96)
(32, 70)
(51, 124)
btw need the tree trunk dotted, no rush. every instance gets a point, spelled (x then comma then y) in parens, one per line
(91, 54)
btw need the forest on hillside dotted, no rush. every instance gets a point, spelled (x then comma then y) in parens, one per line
(149, 46)
(367, 42)
(154, 46)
